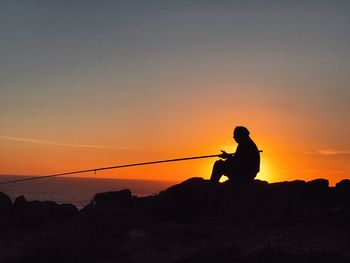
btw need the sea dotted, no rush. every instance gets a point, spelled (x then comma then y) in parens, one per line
(77, 190)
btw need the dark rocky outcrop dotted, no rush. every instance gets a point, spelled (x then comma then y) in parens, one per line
(5, 203)
(34, 214)
(5, 210)
(117, 198)
(342, 191)
(193, 221)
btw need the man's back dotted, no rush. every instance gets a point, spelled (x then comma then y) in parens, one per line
(247, 160)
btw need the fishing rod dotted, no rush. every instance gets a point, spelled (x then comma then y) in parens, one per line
(113, 167)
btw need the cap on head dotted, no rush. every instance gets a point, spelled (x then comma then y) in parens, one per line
(241, 132)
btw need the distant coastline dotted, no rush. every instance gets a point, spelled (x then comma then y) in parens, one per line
(77, 190)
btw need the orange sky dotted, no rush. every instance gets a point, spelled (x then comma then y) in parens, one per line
(283, 157)
(92, 85)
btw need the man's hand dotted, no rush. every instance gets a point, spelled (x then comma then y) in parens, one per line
(224, 155)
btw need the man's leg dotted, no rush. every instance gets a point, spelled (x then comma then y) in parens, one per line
(217, 171)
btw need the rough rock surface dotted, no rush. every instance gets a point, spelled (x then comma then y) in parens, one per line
(193, 221)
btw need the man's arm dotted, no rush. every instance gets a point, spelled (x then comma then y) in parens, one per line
(225, 155)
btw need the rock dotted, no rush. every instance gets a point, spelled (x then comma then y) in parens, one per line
(342, 192)
(295, 185)
(286, 203)
(5, 204)
(193, 221)
(66, 211)
(20, 202)
(187, 201)
(36, 213)
(317, 195)
(318, 184)
(61, 243)
(260, 183)
(120, 198)
(343, 185)
(283, 197)
(114, 211)
(113, 218)
(5, 210)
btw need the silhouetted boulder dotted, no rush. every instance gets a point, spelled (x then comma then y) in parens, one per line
(186, 201)
(20, 203)
(342, 191)
(343, 185)
(318, 185)
(5, 204)
(36, 213)
(282, 198)
(5, 210)
(120, 198)
(66, 211)
(288, 186)
(260, 183)
(317, 193)
(114, 211)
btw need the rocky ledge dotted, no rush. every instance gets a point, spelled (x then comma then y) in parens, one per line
(193, 221)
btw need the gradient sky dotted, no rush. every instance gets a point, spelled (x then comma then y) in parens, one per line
(85, 84)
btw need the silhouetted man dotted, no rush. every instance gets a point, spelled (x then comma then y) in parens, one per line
(243, 166)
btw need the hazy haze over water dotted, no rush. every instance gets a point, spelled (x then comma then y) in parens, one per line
(78, 191)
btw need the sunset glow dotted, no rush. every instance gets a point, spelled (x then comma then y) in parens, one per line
(94, 86)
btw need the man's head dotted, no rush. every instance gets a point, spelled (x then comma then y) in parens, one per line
(240, 134)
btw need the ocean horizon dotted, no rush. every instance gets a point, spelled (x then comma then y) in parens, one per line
(77, 190)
